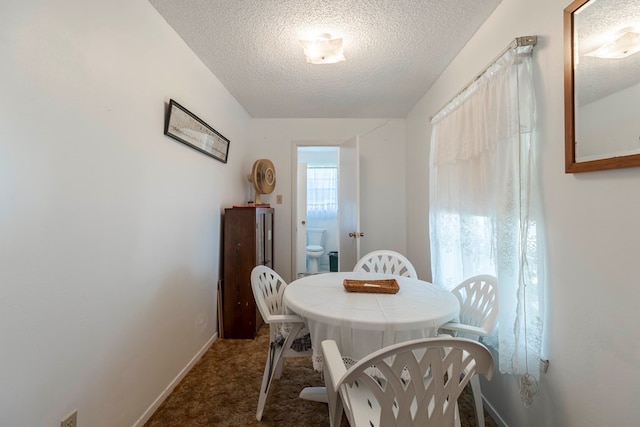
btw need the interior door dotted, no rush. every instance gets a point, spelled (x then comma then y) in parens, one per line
(349, 204)
(301, 220)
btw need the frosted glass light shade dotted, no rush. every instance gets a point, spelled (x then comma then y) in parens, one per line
(625, 45)
(323, 50)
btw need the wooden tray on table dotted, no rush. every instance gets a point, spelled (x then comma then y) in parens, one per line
(383, 286)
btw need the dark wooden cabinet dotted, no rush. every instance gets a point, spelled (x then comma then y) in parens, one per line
(248, 241)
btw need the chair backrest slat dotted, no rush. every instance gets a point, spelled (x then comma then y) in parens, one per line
(478, 297)
(387, 262)
(412, 383)
(268, 289)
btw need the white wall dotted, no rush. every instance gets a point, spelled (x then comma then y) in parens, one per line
(382, 149)
(609, 126)
(110, 231)
(592, 232)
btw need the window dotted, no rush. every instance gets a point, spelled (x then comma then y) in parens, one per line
(322, 191)
(485, 216)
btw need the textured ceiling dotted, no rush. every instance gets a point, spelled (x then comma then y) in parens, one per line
(395, 50)
(594, 23)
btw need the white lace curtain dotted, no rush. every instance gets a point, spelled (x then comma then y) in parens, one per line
(322, 192)
(484, 213)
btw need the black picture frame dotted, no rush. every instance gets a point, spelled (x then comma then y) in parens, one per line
(184, 126)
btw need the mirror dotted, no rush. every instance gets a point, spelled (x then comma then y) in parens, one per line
(602, 84)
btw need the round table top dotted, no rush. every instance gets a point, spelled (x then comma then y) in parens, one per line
(323, 298)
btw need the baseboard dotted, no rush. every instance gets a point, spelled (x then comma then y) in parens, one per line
(493, 413)
(167, 391)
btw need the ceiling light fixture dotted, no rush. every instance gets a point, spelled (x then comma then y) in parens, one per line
(622, 46)
(323, 50)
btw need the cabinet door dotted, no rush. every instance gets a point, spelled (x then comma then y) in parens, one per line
(239, 259)
(264, 238)
(268, 239)
(260, 239)
(248, 241)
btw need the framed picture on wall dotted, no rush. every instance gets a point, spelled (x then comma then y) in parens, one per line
(184, 126)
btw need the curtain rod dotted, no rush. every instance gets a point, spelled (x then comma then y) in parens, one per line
(517, 42)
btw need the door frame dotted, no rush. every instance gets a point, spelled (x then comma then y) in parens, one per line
(349, 231)
(294, 192)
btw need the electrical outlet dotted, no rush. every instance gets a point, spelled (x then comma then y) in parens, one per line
(71, 420)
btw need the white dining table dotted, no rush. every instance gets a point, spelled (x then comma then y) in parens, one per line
(362, 323)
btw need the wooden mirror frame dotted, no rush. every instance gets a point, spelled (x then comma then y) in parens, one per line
(571, 165)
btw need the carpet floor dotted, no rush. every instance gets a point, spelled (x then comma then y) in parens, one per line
(222, 390)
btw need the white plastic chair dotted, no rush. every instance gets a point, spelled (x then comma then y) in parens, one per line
(414, 383)
(284, 329)
(388, 262)
(478, 297)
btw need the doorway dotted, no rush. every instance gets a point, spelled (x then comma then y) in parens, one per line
(326, 166)
(317, 206)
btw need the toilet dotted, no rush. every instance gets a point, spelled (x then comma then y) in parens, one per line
(315, 240)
